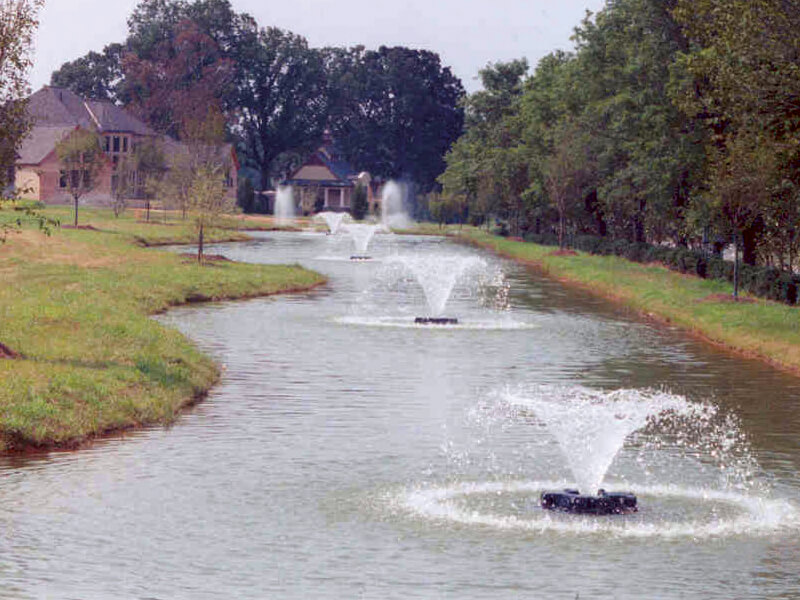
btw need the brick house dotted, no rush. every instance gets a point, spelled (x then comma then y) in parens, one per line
(58, 112)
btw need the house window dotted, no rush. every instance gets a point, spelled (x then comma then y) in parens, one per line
(116, 161)
(62, 179)
(107, 146)
(116, 143)
(124, 144)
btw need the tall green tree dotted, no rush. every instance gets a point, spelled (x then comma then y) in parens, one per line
(397, 112)
(487, 165)
(647, 151)
(96, 76)
(741, 79)
(740, 184)
(283, 102)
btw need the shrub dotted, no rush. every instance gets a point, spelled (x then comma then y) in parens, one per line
(246, 196)
(360, 206)
(501, 229)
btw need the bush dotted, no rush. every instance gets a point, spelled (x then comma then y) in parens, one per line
(246, 195)
(360, 206)
(501, 229)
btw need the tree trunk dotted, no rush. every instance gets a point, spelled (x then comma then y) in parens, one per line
(147, 210)
(750, 242)
(736, 266)
(76, 210)
(200, 245)
(561, 228)
(638, 226)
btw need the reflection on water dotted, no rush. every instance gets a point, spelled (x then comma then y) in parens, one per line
(342, 460)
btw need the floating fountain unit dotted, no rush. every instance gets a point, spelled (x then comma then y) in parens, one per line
(436, 321)
(605, 503)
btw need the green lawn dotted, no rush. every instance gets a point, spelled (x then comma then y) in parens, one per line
(762, 329)
(75, 306)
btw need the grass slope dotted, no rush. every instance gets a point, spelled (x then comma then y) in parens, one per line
(75, 307)
(759, 328)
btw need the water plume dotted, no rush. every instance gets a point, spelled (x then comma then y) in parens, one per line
(284, 205)
(393, 212)
(332, 220)
(362, 235)
(591, 426)
(438, 274)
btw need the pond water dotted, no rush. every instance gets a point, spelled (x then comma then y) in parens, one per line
(349, 453)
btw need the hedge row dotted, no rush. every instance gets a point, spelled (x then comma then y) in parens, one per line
(764, 282)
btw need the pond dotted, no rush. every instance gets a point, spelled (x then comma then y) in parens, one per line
(350, 453)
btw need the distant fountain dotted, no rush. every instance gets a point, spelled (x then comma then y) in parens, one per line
(362, 235)
(332, 220)
(437, 275)
(284, 205)
(393, 213)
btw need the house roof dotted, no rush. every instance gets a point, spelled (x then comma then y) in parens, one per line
(326, 156)
(60, 107)
(331, 183)
(57, 111)
(41, 142)
(113, 118)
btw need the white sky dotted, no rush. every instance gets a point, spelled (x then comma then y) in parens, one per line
(467, 34)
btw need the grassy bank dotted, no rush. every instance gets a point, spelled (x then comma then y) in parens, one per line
(82, 357)
(756, 328)
(428, 229)
(162, 229)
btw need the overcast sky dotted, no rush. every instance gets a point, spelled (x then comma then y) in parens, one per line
(467, 34)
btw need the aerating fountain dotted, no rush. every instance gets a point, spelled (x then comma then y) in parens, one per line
(332, 220)
(362, 235)
(437, 274)
(591, 428)
(284, 205)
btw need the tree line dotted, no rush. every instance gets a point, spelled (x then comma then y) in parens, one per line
(392, 111)
(671, 121)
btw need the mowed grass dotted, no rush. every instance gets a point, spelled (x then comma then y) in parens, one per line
(168, 227)
(163, 228)
(762, 329)
(430, 229)
(75, 307)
